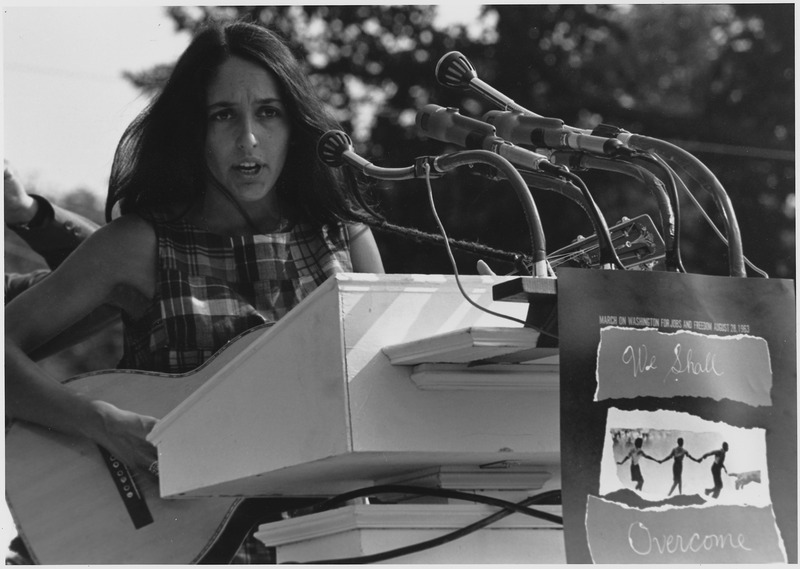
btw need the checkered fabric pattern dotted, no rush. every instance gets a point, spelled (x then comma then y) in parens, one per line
(211, 288)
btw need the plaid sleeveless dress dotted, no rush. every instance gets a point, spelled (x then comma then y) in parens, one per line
(210, 288)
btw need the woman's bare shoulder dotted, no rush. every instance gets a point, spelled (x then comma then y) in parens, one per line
(122, 251)
(128, 228)
(126, 235)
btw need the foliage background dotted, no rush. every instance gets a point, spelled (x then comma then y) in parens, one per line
(716, 79)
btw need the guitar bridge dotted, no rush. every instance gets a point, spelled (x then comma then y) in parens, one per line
(128, 490)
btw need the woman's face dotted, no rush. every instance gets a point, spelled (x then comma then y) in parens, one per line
(248, 131)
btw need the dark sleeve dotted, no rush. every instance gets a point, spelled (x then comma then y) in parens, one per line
(55, 232)
(17, 283)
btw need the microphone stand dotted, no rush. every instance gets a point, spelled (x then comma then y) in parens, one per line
(700, 174)
(668, 215)
(569, 190)
(455, 70)
(335, 148)
(651, 166)
(449, 162)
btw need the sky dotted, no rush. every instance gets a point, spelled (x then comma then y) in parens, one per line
(65, 102)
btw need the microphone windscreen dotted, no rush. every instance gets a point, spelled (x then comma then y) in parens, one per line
(455, 70)
(331, 146)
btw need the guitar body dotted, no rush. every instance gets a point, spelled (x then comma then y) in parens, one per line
(66, 502)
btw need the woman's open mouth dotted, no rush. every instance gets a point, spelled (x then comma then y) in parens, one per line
(249, 168)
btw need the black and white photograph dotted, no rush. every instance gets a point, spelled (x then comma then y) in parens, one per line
(323, 284)
(691, 463)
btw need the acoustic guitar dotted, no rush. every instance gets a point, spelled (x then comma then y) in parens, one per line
(73, 503)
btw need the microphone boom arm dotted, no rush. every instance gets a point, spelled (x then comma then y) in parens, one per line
(449, 162)
(699, 173)
(669, 228)
(335, 149)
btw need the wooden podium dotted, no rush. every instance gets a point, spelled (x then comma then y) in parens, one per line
(378, 379)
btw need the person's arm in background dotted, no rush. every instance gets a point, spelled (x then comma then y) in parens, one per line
(54, 233)
(48, 229)
(17, 283)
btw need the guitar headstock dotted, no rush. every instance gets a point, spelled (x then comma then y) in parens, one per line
(638, 243)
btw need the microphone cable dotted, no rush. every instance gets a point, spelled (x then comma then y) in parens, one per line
(676, 182)
(667, 203)
(508, 508)
(698, 172)
(608, 255)
(455, 267)
(673, 258)
(682, 185)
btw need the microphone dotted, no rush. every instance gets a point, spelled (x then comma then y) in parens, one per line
(544, 132)
(448, 125)
(335, 149)
(455, 71)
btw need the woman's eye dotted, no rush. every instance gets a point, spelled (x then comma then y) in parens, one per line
(269, 112)
(221, 115)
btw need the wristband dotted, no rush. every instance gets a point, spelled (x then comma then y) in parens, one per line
(44, 214)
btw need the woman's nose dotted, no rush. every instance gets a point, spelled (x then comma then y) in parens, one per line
(246, 137)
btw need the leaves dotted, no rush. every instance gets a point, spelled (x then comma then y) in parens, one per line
(718, 77)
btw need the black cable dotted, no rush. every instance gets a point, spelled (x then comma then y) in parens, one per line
(698, 172)
(441, 540)
(713, 226)
(608, 255)
(673, 258)
(454, 265)
(335, 501)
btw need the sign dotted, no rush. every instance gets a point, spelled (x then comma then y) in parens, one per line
(678, 417)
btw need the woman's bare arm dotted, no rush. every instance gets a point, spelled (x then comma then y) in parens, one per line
(117, 259)
(363, 250)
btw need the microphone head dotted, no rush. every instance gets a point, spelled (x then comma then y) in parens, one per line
(496, 118)
(448, 125)
(455, 70)
(424, 115)
(519, 128)
(331, 146)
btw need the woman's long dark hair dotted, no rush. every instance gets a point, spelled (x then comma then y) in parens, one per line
(159, 164)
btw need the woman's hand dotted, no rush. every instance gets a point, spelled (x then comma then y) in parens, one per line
(123, 434)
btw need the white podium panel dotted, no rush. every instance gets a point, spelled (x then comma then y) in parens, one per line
(362, 530)
(314, 406)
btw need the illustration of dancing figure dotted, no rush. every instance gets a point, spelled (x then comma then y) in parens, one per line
(716, 469)
(635, 454)
(677, 454)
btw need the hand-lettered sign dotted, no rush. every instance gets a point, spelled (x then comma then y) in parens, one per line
(636, 362)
